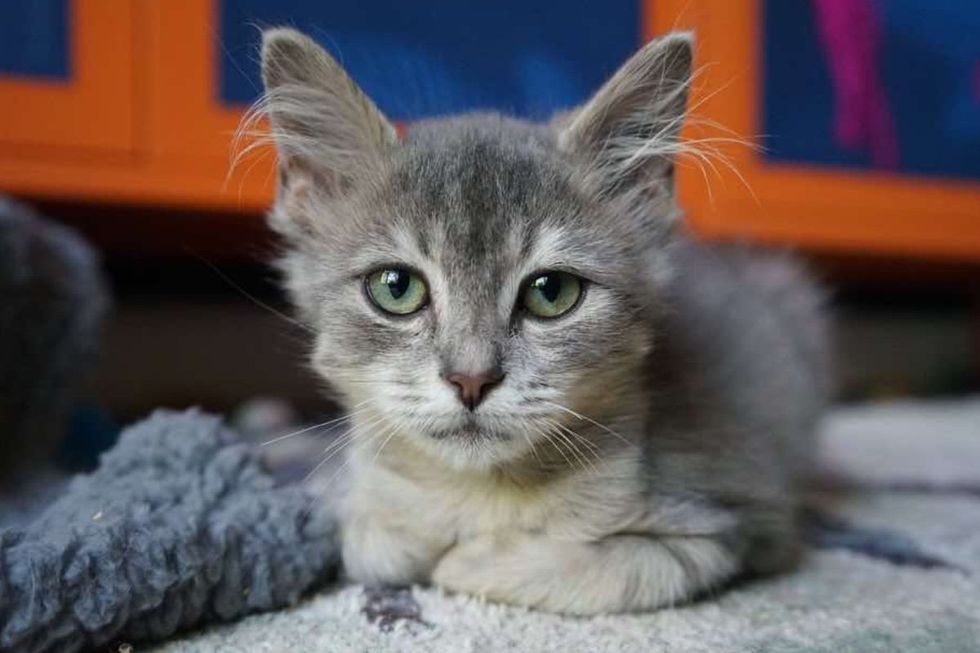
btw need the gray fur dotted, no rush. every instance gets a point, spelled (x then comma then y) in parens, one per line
(179, 525)
(641, 449)
(52, 303)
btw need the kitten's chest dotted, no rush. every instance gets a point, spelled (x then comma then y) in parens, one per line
(458, 506)
(482, 505)
(454, 506)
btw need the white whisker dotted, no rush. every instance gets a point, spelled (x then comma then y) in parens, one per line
(579, 455)
(351, 434)
(590, 420)
(307, 429)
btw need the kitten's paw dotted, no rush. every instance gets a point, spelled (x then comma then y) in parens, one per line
(505, 569)
(615, 574)
(375, 554)
(463, 567)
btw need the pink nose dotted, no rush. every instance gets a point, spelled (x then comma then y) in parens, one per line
(474, 387)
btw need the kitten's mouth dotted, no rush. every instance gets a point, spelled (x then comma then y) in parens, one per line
(466, 431)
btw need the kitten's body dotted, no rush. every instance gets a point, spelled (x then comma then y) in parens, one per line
(640, 449)
(704, 486)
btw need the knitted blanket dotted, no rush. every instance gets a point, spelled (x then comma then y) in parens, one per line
(179, 525)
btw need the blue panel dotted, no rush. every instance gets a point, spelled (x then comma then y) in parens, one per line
(928, 67)
(34, 38)
(420, 59)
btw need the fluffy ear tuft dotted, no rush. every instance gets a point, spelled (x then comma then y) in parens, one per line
(630, 128)
(325, 128)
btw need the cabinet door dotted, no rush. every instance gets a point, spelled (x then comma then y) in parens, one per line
(66, 75)
(865, 117)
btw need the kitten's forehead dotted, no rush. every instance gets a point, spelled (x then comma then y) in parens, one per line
(487, 200)
(479, 181)
(482, 190)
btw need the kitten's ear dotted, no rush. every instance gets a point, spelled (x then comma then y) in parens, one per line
(629, 130)
(325, 128)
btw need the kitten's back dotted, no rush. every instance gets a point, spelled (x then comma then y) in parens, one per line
(757, 318)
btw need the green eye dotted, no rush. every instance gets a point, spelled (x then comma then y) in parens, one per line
(397, 290)
(551, 294)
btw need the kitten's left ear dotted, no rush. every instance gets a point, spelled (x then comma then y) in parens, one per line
(628, 132)
(325, 127)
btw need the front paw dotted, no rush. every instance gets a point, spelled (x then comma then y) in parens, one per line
(501, 568)
(376, 554)
(616, 574)
(464, 567)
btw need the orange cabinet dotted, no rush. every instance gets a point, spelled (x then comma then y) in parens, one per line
(136, 122)
(146, 115)
(88, 110)
(818, 206)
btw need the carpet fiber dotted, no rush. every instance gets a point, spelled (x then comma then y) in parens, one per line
(894, 566)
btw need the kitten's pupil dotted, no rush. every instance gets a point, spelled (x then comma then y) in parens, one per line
(549, 285)
(396, 281)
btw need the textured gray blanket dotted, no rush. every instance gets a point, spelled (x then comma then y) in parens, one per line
(52, 300)
(179, 525)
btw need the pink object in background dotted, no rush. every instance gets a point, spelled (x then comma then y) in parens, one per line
(850, 34)
(976, 82)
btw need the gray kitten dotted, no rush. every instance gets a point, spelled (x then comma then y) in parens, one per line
(557, 400)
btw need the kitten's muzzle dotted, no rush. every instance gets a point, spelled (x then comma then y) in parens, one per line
(472, 389)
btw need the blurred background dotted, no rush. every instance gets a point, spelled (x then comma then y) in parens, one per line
(117, 119)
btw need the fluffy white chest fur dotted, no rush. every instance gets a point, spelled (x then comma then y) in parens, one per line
(579, 544)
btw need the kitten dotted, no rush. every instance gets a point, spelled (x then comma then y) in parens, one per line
(558, 401)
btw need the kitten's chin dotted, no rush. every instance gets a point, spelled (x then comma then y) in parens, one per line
(468, 434)
(461, 428)
(469, 446)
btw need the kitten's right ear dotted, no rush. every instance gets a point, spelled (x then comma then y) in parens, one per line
(326, 130)
(628, 131)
